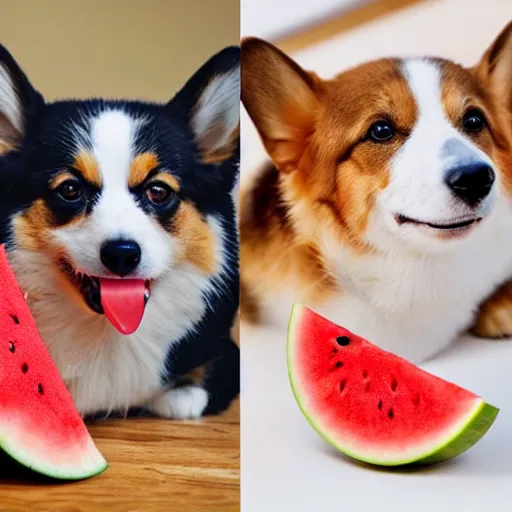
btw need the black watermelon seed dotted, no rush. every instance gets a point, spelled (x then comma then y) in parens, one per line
(343, 340)
(393, 385)
(15, 319)
(40, 388)
(380, 405)
(12, 348)
(24, 367)
(339, 364)
(391, 414)
(343, 383)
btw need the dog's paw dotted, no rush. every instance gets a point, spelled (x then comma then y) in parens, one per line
(494, 319)
(187, 402)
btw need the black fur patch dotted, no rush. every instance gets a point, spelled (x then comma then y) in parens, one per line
(47, 148)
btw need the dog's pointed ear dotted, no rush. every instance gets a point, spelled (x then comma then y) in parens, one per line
(495, 67)
(282, 100)
(210, 101)
(19, 101)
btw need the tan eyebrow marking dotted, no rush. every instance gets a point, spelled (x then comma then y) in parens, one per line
(86, 164)
(140, 167)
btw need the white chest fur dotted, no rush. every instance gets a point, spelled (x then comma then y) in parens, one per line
(412, 306)
(104, 370)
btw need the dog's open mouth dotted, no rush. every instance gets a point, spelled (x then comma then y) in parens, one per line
(122, 301)
(454, 225)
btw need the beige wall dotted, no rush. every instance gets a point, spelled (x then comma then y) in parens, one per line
(116, 48)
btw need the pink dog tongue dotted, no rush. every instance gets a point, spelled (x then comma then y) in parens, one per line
(123, 303)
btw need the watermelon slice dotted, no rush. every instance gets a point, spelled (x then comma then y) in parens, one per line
(374, 406)
(39, 425)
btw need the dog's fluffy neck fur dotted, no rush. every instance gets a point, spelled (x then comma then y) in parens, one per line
(268, 231)
(411, 304)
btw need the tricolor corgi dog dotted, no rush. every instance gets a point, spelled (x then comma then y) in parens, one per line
(387, 204)
(119, 223)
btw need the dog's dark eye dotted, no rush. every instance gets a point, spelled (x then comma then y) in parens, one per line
(70, 190)
(381, 131)
(158, 193)
(474, 120)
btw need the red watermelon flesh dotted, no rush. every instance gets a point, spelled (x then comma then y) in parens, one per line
(39, 424)
(375, 406)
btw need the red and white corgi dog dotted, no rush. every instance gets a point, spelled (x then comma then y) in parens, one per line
(388, 202)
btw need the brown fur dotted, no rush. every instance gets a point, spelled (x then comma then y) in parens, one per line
(270, 252)
(140, 167)
(32, 231)
(196, 238)
(329, 177)
(326, 175)
(87, 165)
(32, 227)
(5, 147)
(495, 316)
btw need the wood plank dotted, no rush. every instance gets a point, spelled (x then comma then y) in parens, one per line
(154, 465)
(343, 22)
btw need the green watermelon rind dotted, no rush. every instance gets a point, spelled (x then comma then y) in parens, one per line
(97, 466)
(81, 459)
(479, 420)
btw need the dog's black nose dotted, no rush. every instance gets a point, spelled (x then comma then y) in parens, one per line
(471, 182)
(121, 256)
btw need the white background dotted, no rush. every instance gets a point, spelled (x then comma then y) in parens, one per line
(286, 466)
(270, 19)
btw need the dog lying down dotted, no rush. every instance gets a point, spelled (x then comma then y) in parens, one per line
(386, 205)
(119, 224)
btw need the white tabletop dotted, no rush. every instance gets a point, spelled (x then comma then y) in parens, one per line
(286, 466)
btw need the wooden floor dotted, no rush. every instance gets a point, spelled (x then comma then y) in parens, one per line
(154, 465)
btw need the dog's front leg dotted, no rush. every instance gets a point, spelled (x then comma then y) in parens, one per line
(212, 387)
(494, 319)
